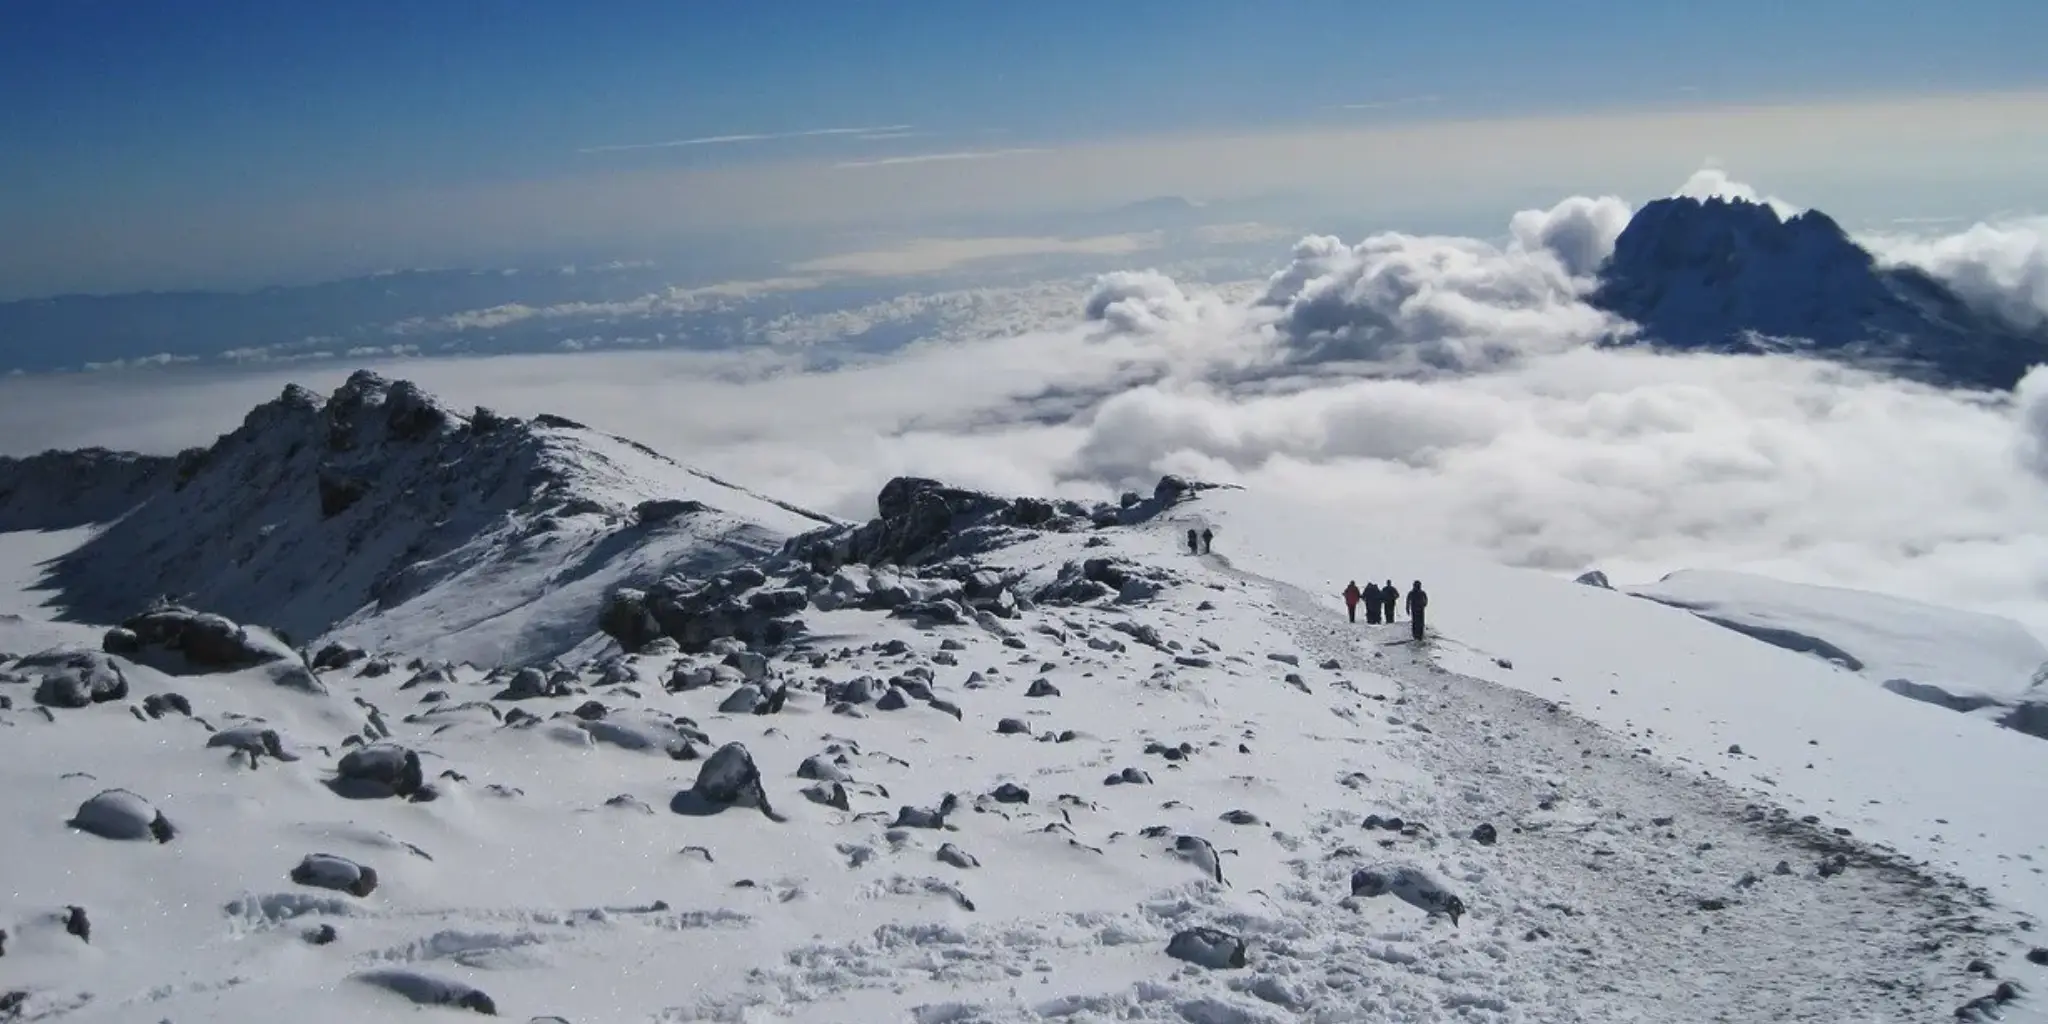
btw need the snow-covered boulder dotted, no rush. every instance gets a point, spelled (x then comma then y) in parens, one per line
(120, 814)
(1207, 947)
(379, 770)
(201, 641)
(326, 871)
(73, 678)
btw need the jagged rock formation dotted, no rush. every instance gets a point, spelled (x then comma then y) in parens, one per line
(918, 559)
(1728, 275)
(323, 513)
(59, 490)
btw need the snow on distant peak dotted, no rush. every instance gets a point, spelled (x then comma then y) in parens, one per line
(1734, 275)
(382, 511)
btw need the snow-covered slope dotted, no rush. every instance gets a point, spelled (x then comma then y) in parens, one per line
(995, 760)
(1729, 275)
(493, 535)
(1961, 660)
(1929, 782)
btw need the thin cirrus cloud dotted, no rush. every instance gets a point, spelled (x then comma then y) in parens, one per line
(864, 132)
(927, 158)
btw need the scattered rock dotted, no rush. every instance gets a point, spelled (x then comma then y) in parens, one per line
(74, 679)
(956, 856)
(157, 705)
(1485, 834)
(427, 990)
(830, 794)
(320, 936)
(379, 770)
(326, 871)
(202, 641)
(120, 814)
(1207, 947)
(338, 655)
(728, 778)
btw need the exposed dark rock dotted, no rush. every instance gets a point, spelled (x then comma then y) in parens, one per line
(202, 642)
(338, 655)
(1207, 947)
(427, 990)
(379, 770)
(73, 679)
(728, 778)
(661, 510)
(922, 521)
(120, 814)
(326, 871)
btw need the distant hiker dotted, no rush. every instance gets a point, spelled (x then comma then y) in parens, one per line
(1351, 596)
(1417, 603)
(1373, 603)
(1390, 594)
(1207, 539)
(1194, 542)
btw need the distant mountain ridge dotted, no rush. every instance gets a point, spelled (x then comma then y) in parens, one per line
(1732, 276)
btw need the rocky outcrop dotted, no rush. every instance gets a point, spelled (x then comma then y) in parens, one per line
(203, 642)
(919, 521)
(1728, 275)
(60, 490)
(73, 679)
(734, 605)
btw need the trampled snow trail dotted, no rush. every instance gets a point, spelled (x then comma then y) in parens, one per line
(1599, 888)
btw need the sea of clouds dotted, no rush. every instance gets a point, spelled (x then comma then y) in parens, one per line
(1442, 388)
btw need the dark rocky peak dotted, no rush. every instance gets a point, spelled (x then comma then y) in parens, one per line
(1729, 275)
(59, 490)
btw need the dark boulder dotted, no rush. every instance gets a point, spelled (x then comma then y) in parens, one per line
(326, 871)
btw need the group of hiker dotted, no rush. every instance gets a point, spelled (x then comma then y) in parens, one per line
(1199, 540)
(1380, 602)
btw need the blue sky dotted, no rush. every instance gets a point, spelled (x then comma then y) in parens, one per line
(126, 127)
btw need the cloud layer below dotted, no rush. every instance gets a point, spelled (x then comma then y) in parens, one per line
(1431, 386)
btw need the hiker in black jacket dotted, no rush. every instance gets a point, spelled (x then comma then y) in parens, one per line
(1194, 542)
(1374, 604)
(1417, 603)
(1391, 594)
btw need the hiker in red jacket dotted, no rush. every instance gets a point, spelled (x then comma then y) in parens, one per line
(1351, 596)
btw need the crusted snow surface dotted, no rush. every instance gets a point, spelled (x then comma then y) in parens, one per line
(1221, 754)
(1944, 655)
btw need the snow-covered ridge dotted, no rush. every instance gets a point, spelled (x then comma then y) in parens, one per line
(1731, 275)
(1963, 661)
(494, 535)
